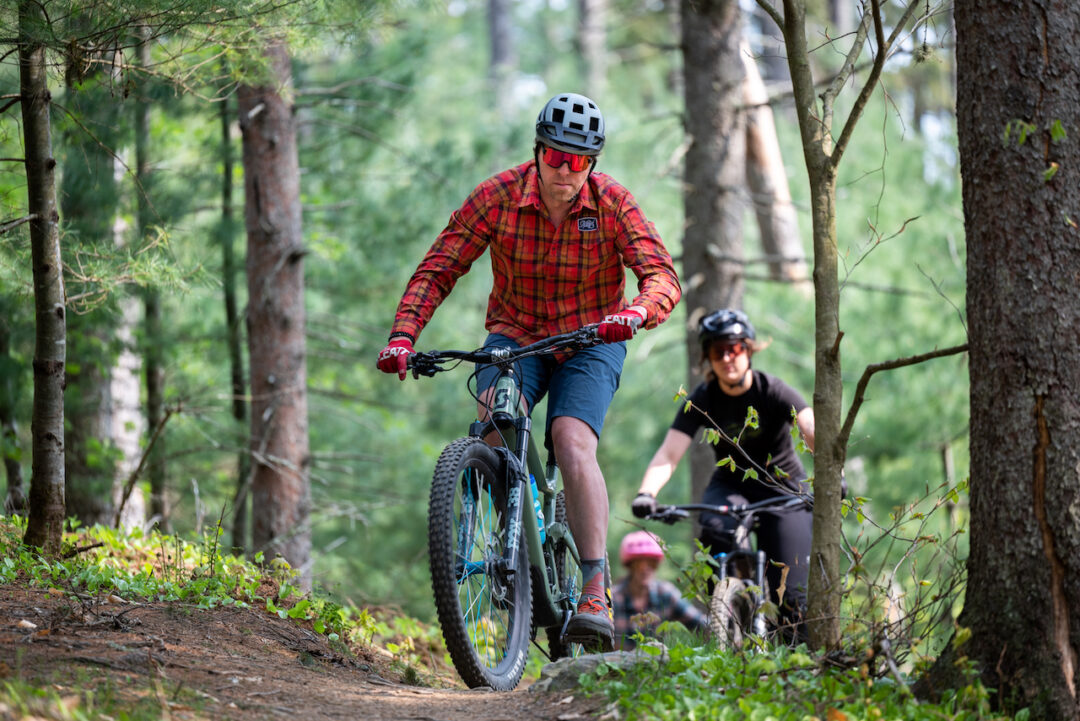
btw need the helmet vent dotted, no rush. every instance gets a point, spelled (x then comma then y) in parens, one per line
(557, 115)
(594, 124)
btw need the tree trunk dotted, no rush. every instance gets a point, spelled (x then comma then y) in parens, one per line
(88, 205)
(153, 355)
(1018, 88)
(242, 497)
(15, 497)
(503, 61)
(592, 37)
(766, 177)
(824, 588)
(276, 319)
(45, 524)
(714, 175)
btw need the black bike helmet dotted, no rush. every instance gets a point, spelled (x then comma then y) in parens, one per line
(571, 123)
(724, 324)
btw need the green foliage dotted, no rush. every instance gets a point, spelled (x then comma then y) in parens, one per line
(776, 683)
(155, 567)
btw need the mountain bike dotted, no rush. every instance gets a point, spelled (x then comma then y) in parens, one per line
(503, 560)
(737, 607)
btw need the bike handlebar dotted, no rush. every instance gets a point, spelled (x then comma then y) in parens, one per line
(673, 514)
(429, 363)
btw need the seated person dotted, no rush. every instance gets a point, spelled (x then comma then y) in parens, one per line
(640, 601)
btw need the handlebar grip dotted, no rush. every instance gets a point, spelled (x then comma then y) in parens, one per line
(668, 514)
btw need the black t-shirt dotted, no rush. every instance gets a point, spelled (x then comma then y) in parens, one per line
(770, 445)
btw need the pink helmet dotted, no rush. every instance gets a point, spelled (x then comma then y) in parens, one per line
(639, 544)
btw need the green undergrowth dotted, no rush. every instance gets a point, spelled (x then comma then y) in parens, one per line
(98, 562)
(772, 684)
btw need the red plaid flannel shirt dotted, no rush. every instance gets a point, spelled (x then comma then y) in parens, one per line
(547, 280)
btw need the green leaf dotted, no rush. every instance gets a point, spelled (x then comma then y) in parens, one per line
(1057, 131)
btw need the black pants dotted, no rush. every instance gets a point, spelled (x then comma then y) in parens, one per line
(784, 537)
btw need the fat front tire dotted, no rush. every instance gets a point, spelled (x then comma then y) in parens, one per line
(485, 613)
(730, 613)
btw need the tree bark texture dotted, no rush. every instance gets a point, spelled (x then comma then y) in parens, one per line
(1018, 90)
(276, 319)
(45, 524)
(714, 175)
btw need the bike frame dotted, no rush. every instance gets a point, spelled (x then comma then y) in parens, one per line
(507, 417)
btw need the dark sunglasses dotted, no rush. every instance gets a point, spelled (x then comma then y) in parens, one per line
(723, 350)
(555, 158)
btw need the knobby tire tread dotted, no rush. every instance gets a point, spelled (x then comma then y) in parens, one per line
(729, 613)
(505, 674)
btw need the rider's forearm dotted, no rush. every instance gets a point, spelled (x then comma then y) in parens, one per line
(805, 421)
(664, 462)
(657, 474)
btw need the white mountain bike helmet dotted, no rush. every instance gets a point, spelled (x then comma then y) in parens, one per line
(571, 123)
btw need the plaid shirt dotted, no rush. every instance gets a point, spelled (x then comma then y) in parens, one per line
(547, 280)
(665, 604)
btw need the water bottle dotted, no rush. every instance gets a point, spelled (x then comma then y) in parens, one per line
(538, 508)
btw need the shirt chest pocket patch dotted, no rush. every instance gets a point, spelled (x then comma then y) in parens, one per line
(587, 225)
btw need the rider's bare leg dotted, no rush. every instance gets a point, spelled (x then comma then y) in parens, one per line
(586, 493)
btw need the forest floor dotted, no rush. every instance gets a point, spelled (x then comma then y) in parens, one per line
(174, 661)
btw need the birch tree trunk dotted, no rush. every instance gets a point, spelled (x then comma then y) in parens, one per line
(281, 495)
(45, 524)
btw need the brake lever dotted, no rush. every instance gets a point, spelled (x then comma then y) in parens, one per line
(422, 365)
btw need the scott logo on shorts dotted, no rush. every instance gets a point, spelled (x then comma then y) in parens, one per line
(586, 225)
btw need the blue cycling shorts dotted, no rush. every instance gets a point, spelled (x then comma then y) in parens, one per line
(581, 387)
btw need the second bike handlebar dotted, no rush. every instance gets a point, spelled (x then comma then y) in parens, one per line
(673, 514)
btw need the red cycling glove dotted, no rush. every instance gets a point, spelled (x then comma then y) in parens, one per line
(621, 326)
(394, 357)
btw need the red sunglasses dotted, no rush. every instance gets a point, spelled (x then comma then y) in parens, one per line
(555, 158)
(720, 351)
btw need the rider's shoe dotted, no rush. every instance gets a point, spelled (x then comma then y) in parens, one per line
(591, 626)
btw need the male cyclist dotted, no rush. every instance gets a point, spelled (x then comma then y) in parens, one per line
(728, 341)
(560, 237)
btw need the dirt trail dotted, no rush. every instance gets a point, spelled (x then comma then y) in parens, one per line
(228, 663)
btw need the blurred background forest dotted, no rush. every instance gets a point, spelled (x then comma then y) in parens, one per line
(400, 114)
